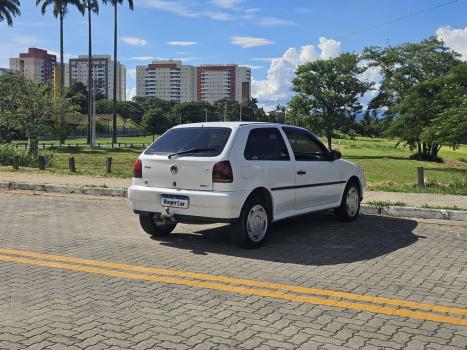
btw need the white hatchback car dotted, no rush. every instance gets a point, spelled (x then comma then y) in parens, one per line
(247, 174)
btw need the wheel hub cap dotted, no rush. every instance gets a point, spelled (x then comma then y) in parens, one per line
(257, 223)
(352, 202)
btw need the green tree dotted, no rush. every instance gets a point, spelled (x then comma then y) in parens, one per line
(371, 125)
(147, 103)
(155, 122)
(130, 110)
(278, 115)
(407, 65)
(115, 4)
(8, 10)
(228, 108)
(189, 112)
(329, 90)
(104, 106)
(78, 94)
(30, 108)
(432, 114)
(60, 8)
(450, 126)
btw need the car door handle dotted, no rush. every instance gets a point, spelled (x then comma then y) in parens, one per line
(301, 172)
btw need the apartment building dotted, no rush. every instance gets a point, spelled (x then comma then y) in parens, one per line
(36, 64)
(223, 81)
(169, 80)
(173, 81)
(102, 74)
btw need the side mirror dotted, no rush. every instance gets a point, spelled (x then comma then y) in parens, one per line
(333, 155)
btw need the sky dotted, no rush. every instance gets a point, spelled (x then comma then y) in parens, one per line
(271, 36)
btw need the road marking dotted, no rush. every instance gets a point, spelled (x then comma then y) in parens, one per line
(241, 281)
(242, 290)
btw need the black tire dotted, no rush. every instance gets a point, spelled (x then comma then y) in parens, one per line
(347, 211)
(151, 228)
(240, 230)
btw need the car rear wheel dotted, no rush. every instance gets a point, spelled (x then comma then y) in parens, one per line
(251, 229)
(153, 228)
(350, 204)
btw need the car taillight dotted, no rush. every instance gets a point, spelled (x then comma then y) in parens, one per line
(222, 172)
(138, 169)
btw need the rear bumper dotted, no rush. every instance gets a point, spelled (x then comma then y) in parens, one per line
(218, 206)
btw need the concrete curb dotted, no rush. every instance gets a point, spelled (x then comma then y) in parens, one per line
(95, 191)
(409, 212)
(412, 212)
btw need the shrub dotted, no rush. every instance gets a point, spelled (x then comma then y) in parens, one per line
(8, 152)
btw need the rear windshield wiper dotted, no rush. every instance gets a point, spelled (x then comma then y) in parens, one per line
(191, 151)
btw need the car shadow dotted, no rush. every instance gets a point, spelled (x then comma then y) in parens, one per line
(316, 239)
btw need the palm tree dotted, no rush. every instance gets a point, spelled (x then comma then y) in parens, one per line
(92, 6)
(60, 8)
(8, 10)
(115, 4)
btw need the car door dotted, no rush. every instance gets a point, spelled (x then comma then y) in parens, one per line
(268, 164)
(318, 179)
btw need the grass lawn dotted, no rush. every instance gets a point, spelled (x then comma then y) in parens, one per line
(387, 168)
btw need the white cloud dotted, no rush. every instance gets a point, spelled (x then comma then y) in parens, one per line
(456, 39)
(171, 6)
(143, 58)
(252, 67)
(130, 93)
(329, 48)
(182, 43)
(263, 59)
(131, 73)
(218, 16)
(134, 41)
(183, 10)
(277, 86)
(251, 11)
(248, 42)
(225, 3)
(273, 21)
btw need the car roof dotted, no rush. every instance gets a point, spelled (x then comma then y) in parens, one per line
(232, 125)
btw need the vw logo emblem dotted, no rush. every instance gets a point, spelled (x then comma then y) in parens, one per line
(174, 169)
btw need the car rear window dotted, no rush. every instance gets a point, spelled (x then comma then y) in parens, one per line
(211, 139)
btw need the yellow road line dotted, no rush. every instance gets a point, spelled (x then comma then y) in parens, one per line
(242, 290)
(241, 281)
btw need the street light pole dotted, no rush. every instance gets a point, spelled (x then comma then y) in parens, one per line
(206, 110)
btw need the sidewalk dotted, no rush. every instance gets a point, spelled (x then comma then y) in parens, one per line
(410, 199)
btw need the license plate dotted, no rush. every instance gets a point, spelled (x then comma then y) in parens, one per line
(174, 201)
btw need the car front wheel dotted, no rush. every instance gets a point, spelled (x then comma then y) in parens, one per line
(155, 229)
(350, 204)
(251, 229)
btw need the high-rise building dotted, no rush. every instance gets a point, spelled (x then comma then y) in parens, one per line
(173, 81)
(36, 64)
(102, 74)
(169, 80)
(223, 81)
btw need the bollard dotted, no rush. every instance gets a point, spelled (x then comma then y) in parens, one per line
(71, 164)
(15, 162)
(421, 177)
(108, 165)
(41, 161)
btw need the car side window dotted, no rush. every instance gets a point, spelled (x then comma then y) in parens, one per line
(304, 146)
(266, 144)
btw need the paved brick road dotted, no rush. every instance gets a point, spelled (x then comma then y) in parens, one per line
(72, 304)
